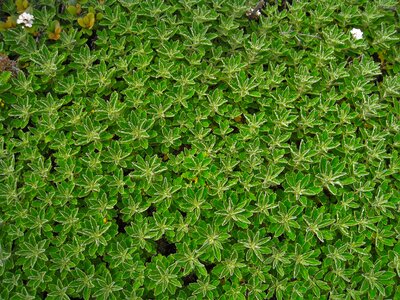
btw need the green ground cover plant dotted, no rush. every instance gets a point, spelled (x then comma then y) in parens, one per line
(193, 149)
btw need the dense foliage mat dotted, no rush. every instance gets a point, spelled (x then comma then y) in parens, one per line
(190, 149)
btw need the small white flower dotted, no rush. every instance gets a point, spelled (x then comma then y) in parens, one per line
(25, 19)
(258, 13)
(356, 33)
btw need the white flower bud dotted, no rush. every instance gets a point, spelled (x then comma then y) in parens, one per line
(356, 33)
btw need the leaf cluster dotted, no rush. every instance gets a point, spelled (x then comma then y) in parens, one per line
(180, 150)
